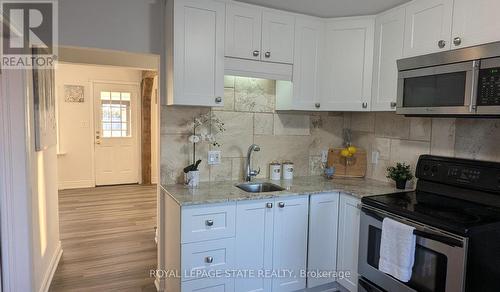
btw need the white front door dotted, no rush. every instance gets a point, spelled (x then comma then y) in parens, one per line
(116, 134)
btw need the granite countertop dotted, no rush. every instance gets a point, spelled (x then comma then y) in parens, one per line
(219, 192)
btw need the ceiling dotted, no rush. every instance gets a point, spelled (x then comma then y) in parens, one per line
(330, 8)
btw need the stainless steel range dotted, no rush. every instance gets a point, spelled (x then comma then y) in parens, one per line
(455, 210)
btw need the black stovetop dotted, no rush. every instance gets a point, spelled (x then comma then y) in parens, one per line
(450, 214)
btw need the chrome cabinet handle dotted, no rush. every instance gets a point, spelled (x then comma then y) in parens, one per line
(393, 104)
(255, 53)
(269, 205)
(209, 222)
(441, 44)
(281, 204)
(457, 41)
(209, 260)
(364, 105)
(267, 54)
(218, 99)
(317, 105)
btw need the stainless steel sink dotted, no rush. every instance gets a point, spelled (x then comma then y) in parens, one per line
(260, 187)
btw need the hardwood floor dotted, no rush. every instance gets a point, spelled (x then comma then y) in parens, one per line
(107, 236)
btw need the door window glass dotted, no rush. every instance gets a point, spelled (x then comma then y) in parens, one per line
(115, 114)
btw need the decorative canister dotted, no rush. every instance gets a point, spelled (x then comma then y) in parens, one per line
(287, 170)
(275, 170)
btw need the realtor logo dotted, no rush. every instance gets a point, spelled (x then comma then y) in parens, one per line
(29, 34)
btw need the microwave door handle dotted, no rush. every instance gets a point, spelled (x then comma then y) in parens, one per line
(475, 78)
(436, 237)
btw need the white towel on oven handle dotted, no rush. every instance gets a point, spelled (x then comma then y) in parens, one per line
(397, 249)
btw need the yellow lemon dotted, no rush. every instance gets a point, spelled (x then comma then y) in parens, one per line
(345, 153)
(352, 149)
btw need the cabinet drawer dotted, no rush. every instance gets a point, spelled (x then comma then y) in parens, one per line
(209, 285)
(201, 258)
(208, 222)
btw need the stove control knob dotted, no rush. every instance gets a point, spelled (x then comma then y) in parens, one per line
(434, 169)
(426, 167)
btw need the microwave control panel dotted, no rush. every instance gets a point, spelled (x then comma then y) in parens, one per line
(488, 91)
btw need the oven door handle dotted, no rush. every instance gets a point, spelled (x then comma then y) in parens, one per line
(432, 236)
(440, 238)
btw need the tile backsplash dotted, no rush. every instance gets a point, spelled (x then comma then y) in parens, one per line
(250, 117)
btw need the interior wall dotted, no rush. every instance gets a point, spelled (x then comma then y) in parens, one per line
(249, 116)
(75, 120)
(111, 24)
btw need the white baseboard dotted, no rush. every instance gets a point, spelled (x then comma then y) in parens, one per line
(77, 184)
(49, 274)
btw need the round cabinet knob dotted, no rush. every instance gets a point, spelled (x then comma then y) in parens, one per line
(393, 104)
(267, 54)
(457, 41)
(209, 222)
(441, 44)
(281, 205)
(209, 260)
(255, 53)
(317, 105)
(269, 205)
(218, 99)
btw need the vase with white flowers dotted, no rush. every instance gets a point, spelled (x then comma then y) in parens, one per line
(206, 127)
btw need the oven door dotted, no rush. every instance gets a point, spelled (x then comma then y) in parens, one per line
(439, 256)
(447, 89)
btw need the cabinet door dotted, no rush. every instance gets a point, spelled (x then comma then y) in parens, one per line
(277, 37)
(290, 242)
(389, 35)
(428, 27)
(323, 226)
(198, 77)
(254, 243)
(209, 285)
(306, 64)
(243, 31)
(347, 256)
(348, 62)
(475, 22)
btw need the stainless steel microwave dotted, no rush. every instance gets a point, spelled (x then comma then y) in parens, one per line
(464, 82)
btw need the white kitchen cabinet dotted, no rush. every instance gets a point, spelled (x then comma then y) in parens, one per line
(195, 52)
(243, 31)
(290, 242)
(389, 37)
(348, 63)
(254, 245)
(209, 285)
(277, 37)
(475, 22)
(428, 27)
(309, 34)
(323, 227)
(348, 240)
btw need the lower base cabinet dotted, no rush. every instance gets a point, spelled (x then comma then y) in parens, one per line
(209, 285)
(348, 241)
(271, 237)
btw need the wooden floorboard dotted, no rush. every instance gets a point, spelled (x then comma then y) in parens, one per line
(107, 236)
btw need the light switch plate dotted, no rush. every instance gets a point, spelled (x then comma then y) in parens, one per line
(324, 156)
(214, 157)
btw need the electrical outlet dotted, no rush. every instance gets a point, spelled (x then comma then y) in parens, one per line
(214, 157)
(375, 157)
(324, 156)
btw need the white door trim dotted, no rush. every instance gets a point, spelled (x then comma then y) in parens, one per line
(137, 129)
(15, 186)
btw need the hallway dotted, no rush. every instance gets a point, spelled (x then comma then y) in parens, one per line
(107, 236)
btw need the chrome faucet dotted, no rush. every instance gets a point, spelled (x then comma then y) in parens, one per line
(249, 171)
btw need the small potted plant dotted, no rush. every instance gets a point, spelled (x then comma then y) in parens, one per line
(400, 174)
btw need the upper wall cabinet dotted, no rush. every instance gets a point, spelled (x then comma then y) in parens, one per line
(428, 27)
(389, 36)
(195, 52)
(475, 22)
(257, 34)
(347, 64)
